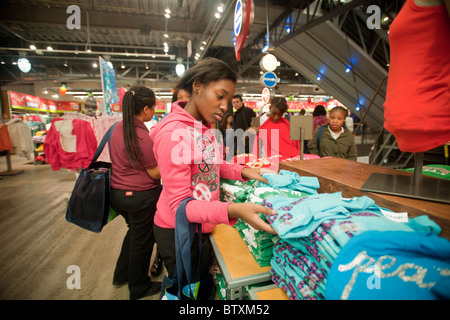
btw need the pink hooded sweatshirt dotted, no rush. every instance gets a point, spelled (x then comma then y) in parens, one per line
(191, 165)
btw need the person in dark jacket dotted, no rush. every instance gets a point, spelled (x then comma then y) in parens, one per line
(336, 140)
(242, 119)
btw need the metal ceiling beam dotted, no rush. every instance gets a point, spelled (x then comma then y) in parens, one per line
(312, 21)
(96, 53)
(253, 53)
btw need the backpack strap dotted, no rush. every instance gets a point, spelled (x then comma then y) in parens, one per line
(106, 138)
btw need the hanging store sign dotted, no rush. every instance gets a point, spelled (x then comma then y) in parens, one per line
(243, 19)
(269, 79)
(268, 63)
(238, 18)
(31, 103)
(265, 95)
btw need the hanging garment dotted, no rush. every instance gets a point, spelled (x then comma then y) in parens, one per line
(5, 141)
(86, 145)
(391, 266)
(21, 138)
(417, 107)
(67, 139)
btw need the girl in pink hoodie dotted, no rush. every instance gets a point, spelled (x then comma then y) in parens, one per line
(190, 162)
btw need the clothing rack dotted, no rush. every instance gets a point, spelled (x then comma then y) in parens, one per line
(9, 171)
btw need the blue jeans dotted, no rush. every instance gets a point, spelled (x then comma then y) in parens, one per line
(138, 209)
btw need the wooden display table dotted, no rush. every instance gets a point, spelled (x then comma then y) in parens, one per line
(269, 292)
(237, 265)
(348, 176)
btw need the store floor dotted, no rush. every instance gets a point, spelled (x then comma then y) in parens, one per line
(37, 244)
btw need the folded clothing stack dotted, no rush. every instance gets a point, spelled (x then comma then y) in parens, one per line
(314, 229)
(259, 243)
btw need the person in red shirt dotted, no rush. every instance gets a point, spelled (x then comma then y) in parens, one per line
(273, 136)
(134, 191)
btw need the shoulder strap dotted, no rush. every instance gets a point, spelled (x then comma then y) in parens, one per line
(106, 138)
(319, 136)
(184, 236)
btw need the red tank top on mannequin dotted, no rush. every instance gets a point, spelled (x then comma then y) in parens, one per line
(417, 106)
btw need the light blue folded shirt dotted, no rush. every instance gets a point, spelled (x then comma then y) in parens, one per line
(291, 180)
(299, 217)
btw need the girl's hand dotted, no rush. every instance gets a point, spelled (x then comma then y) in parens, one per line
(249, 212)
(253, 174)
(256, 174)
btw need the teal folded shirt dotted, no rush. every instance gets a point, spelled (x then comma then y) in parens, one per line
(292, 181)
(299, 217)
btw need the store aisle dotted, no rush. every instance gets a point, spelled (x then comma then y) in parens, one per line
(37, 245)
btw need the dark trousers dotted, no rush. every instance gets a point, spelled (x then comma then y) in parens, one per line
(165, 238)
(138, 210)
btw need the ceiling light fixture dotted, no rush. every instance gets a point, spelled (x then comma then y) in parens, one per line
(24, 65)
(49, 48)
(32, 47)
(180, 69)
(217, 15)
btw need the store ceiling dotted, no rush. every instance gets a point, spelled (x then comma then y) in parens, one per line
(132, 33)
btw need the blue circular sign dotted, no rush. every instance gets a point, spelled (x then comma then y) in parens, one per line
(238, 18)
(269, 79)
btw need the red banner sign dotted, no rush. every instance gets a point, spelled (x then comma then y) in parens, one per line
(32, 103)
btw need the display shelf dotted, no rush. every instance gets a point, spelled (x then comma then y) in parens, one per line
(237, 265)
(269, 292)
(335, 174)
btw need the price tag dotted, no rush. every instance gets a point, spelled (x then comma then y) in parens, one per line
(395, 216)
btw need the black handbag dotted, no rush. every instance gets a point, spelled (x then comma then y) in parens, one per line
(89, 206)
(196, 288)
